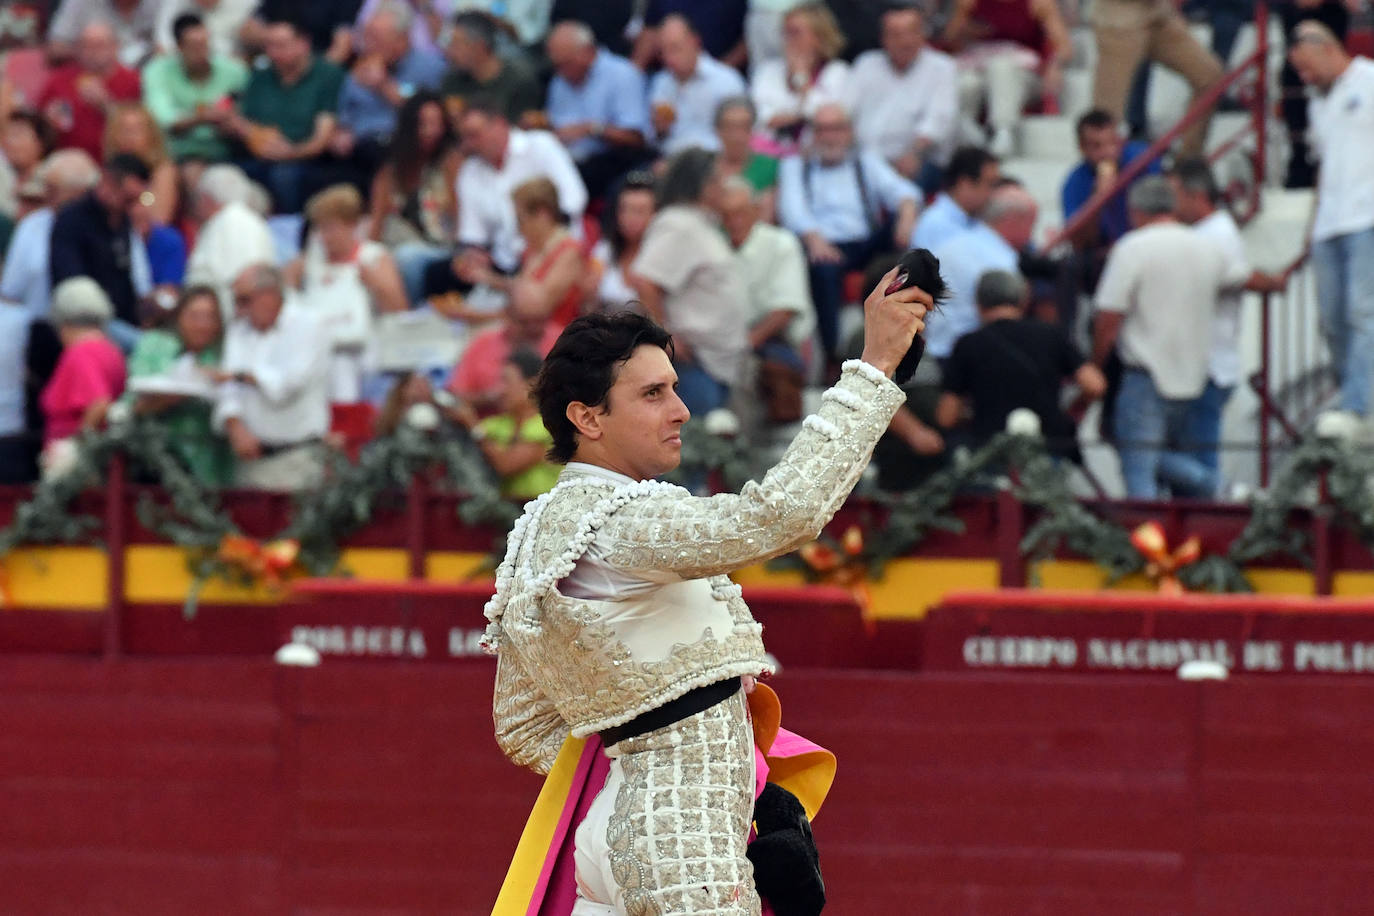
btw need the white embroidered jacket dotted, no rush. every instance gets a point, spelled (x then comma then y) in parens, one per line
(581, 666)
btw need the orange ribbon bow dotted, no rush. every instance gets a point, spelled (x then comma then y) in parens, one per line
(269, 562)
(843, 567)
(1162, 566)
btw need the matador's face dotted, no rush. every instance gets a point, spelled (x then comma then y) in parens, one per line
(641, 427)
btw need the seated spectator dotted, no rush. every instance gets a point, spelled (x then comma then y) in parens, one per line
(326, 24)
(232, 234)
(781, 318)
(1198, 203)
(408, 390)
(131, 23)
(609, 20)
(77, 94)
(789, 90)
(688, 282)
(426, 23)
(223, 20)
(18, 448)
(273, 402)
(1010, 362)
(1007, 51)
(346, 283)
(501, 158)
(685, 94)
(627, 218)
(523, 24)
(190, 91)
(553, 261)
(848, 207)
(23, 144)
(191, 342)
(93, 237)
(480, 74)
(904, 99)
(164, 249)
(477, 377)
(720, 23)
(26, 280)
(89, 375)
(969, 181)
(413, 207)
(514, 440)
(387, 72)
(1156, 304)
(994, 243)
(597, 107)
(131, 129)
(287, 116)
(1105, 155)
(735, 120)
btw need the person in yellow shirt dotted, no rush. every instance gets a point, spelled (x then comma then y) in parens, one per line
(514, 441)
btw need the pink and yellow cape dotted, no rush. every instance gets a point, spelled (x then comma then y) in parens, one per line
(540, 881)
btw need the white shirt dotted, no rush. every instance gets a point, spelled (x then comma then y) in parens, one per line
(774, 270)
(594, 579)
(614, 292)
(1343, 133)
(1165, 278)
(290, 363)
(828, 199)
(694, 102)
(25, 279)
(686, 254)
(892, 109)
(235, 238)
(773, 95)
(1223, 363)
(486, 216)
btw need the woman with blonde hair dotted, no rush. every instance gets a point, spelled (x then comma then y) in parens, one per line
(810, 74)
(130, 128)
(554, 262)
(347, 280)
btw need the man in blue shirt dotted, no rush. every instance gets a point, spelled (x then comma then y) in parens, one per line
(684, 95)
(1105, 155)
(388, 71)
(993, 243)
(596, 105)
(971, 175)
(847, 207)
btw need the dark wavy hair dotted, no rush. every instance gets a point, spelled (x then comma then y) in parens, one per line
(582, 366)
(610, 216)
(405, 155)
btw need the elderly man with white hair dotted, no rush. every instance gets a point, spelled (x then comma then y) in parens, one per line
(66, 175)
(273, 402)
(232, 234)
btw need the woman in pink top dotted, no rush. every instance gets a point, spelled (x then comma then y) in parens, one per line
(89, 376)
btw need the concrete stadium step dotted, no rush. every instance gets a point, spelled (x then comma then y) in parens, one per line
(1048, 137)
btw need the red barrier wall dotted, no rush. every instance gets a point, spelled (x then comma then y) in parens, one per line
(233, 786)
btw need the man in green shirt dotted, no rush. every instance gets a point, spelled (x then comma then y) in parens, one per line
(189, 93)
(479, 73)
(286, 118)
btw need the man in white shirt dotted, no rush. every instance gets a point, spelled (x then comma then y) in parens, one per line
(993, 243)
(232, 234)
(684, 95)
(1342, 118)
(1156, 303)
(1197, 199)
(781, 318)
(847, 206)
(273, 402)
(905, 99)
(66, 174)
(503, 157)
(968, 184)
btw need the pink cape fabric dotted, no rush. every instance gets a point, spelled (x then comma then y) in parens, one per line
(556, 891)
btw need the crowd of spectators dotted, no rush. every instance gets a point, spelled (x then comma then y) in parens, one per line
(234, 216)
